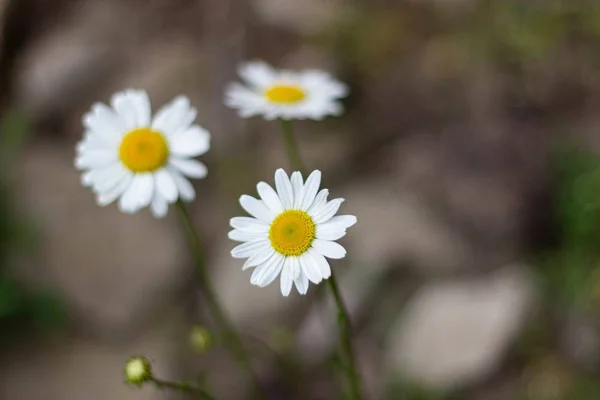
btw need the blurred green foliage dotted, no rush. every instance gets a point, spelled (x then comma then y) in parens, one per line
(21, 309)
(571, 269)
(400, 389)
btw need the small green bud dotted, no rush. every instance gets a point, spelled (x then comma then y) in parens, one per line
(200, 339)
(138, 371)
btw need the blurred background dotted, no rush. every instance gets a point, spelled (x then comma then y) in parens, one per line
(469, 154)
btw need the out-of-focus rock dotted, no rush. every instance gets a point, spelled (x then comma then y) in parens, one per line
(394, 226)
(113, 269)
(456, 333)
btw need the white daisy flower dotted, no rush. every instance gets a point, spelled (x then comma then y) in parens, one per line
(292, 232)
(284, 94)
(142, 161)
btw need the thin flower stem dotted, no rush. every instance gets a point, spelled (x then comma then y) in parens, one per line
(345, 325)
(183, 386)
(230, 336)
(291, 147)
(346, 338)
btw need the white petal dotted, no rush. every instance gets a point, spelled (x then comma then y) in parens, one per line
(184, 186)
(159, 206)
(257, 74)
(329, 249)
(130, 201)
(103, 179)
(165, 185)
(269, 196)
(286, 280)
(242, 236)
(247, 265)
(96, 159)
(249, 224)
(340, 221)
(105, 123)
(330, 234)
(141, 104)
(284, 189)
(191, 168)
(247, 249)
(192, 142)
(335, 228)
(321, 262)
(328, 211)
(310, 268)
(257, 208)
(295, 267)
(310, 190)
(123, 102)
(174, 116)
(266, 273)
(258, 258)
(319, 203)
(297, 184)
(301, 284)
(105, 198)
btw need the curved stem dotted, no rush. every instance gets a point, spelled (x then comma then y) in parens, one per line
(183, 386)
(230, 336)
(344, 323)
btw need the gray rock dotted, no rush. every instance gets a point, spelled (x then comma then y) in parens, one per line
(112, 269)
(456, 333)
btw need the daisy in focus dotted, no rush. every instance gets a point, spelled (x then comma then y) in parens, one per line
(142, 161)
(284, 94)
(291, 231)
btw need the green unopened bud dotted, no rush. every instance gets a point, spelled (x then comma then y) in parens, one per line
(138, 371)
(200, 339)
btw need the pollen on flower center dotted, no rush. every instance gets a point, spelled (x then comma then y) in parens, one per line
(144, 150)
(285, 94)
(292, 232)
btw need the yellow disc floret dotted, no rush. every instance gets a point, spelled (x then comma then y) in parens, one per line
(292, 232)
(285, 94)
(144, 150)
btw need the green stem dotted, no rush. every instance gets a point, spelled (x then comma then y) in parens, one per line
(291, 147)
(183, 386)
(346, 338)
(230, 336)
(345, 325)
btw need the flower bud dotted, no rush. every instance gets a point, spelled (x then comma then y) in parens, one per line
(200, 339)
(138, 371)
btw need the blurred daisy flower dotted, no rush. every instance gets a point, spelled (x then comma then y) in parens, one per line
(142, 161)
(284, 94)
(292, 231)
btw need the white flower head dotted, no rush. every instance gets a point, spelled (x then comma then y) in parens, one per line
(284, 94)
(292, 230)
(142, 161)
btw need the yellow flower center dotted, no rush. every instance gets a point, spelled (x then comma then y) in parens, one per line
(144, 150)
(285, 94)
(292, 232)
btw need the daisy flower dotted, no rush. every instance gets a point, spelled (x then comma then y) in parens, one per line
(142, 161)
(284, 94)
(292, 231)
